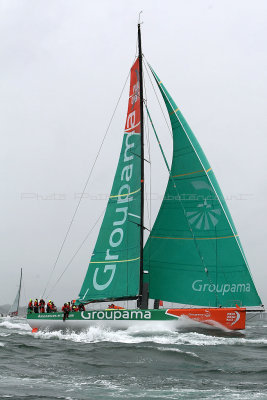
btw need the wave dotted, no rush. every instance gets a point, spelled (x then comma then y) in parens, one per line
(134, 336)
(158, 334)
(175, 350)
(15, 324)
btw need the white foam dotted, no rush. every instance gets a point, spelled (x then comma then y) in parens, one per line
(92, 335)
(131, 336)
(2, 344)
(16, 325)
(159, 334)
(3, 334)
(178, 351)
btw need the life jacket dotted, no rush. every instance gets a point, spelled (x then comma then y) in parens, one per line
(36, 303)
(116, 308)
(65, 308)
(30, 304)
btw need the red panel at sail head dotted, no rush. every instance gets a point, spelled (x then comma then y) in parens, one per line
(134, 100)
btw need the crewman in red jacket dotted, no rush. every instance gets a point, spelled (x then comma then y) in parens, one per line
(42, 306)
(35, 306)
(66, 311)
(30, 305)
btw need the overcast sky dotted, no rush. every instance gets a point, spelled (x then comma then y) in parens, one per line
(63, 65)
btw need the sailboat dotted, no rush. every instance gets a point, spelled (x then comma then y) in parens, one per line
(193, 257)
(14, 309)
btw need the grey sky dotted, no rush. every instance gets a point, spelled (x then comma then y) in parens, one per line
(63, 65)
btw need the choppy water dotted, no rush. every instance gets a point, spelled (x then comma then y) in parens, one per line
(162, 364)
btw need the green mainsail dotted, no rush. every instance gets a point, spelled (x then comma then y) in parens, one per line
(114, 269)
(193, 254)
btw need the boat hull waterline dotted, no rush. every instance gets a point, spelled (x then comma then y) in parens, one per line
(226, 318)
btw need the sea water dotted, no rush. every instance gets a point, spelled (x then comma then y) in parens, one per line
(189, 363)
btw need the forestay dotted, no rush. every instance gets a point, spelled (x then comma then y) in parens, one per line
(114, 269)
(193, 254)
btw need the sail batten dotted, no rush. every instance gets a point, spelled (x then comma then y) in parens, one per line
(193, 254)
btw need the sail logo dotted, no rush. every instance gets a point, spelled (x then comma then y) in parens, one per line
(205, 218)
(199, 286)
(136, 89)
(123, 199)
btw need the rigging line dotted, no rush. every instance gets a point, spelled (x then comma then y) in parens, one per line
(77, 251)
(24, 291)
(150, 181)
(164, 116)
(149, 156)
(146, 186)
(136, 47)
(85, 186)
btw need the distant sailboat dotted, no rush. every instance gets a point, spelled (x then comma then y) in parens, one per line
(14, 309)
(193, 255)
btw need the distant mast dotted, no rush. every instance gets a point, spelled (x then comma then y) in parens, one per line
(19, 288)
(15, 306)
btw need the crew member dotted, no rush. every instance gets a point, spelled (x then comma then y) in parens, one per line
(49, 307)
(35, 306)
(30, 306)
(53, 307)
(81, 307)
(66, 311)
(42, 306)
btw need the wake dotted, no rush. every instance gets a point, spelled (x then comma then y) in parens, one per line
(158, 334)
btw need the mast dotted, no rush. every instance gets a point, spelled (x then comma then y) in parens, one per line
(143, 299)
(19, 287)
(15, 306)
